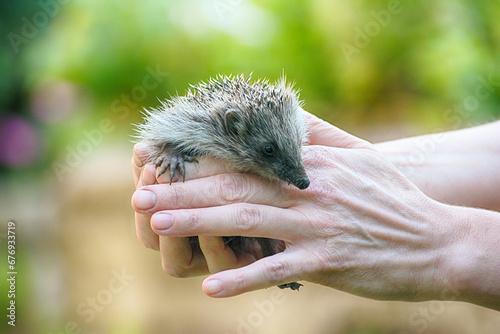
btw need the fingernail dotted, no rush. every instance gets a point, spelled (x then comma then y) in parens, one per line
(162, 221)
(213, 286)
(144, 199)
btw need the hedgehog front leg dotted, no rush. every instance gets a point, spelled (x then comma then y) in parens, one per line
(174, 160)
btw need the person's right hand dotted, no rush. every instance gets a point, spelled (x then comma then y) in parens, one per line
(181, 256)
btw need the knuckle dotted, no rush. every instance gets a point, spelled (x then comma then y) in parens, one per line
(247, 218)
(147, 243)
(144, 233)
(333, 259)
(240, 282)
(210, 252)
(231, 187)
(276, 270)
(176, 197)
(193, 221)
(326, 193)
(177, 271)
(211, 249)
(317, 155)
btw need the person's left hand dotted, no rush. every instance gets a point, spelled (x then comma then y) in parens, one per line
(180, 256)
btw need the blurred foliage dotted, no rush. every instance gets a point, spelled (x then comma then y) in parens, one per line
(75, 74)
(356, 63)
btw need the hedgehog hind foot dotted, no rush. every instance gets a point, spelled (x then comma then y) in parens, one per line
(175, 161)
(270, 247)
(292, 285)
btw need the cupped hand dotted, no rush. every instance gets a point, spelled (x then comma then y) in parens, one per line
(145, 203)
(361, 226)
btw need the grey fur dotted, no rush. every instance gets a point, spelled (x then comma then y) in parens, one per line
(234, 120)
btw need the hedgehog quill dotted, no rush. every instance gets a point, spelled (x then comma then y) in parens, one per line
(259, 128)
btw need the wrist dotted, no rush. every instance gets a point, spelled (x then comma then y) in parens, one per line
(454, 256)
(432, 278)
(469, 263)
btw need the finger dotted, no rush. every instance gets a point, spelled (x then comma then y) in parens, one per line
(272, 270)
(323, 133)
(136, 171)
(240, 219)
(181, 258)
(206, 166)
(144, 233)
(141, 201)
(148, 175)
(219, 190)
(139, 158)
(220, 256)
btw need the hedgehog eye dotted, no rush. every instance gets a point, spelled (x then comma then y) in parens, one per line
(269, 150)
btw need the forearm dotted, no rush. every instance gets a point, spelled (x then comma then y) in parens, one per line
(459, 167)
(470, 268)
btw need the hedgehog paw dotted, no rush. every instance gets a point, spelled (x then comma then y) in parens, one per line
(174, 161)
(292, 285)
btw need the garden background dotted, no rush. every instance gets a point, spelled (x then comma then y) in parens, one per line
(74, 76)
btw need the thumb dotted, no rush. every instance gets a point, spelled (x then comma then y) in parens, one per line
(264, 273)
(323, 133)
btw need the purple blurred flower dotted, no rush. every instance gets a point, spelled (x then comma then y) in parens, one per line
(20, 142)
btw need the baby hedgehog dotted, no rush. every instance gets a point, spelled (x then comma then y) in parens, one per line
(257, 127)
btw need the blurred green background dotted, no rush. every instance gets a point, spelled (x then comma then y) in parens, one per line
(75, 74)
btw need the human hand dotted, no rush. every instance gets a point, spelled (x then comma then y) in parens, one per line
(361, 227)
(352, 215)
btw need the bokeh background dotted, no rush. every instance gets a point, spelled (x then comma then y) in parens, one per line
(74, 76)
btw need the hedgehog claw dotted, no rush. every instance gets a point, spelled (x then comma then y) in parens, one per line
(173, 166)
(163, 170)
(162, 162)
(159, 161)
(174, 161)
(181, 169)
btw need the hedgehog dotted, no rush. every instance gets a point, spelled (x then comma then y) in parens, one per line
(258, 128)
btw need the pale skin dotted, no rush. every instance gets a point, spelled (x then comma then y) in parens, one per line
(402, 220)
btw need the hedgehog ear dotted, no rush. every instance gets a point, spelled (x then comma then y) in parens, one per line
(234, 124)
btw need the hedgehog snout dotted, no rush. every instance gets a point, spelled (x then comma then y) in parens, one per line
(298, 179)
(302, 183)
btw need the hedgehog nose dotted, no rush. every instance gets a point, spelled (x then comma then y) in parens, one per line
(303, 183)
